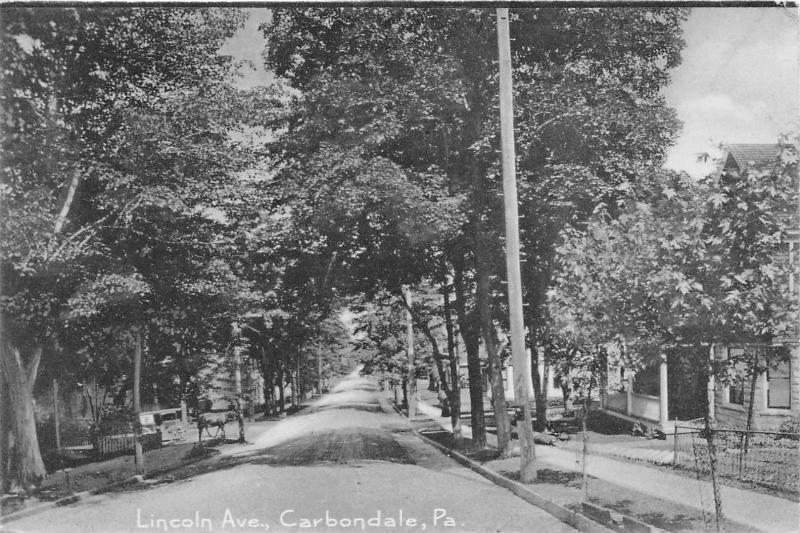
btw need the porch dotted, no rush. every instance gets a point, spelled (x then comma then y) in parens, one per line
(660, 396)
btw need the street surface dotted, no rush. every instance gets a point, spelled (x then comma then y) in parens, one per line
(347, 463)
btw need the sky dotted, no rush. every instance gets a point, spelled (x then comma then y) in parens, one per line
(737, 83)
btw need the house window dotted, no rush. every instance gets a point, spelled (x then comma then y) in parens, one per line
(736, 387)
(779, 392)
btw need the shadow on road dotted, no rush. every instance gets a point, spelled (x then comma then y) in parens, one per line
(347, 446)
(351, 425)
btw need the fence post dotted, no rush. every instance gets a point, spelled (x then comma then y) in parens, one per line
(675, 446)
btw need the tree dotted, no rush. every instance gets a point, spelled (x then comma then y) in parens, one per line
(417, 86)
(83, 89)
(380, 340)
(684, 264)
(746, 280)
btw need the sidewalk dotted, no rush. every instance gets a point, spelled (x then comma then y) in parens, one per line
(764, 512)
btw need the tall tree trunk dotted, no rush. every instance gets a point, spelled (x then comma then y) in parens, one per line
(237, 375)
(710, 436)
(269, 391)
(319, 369)
(293, 379)
(469, 334)
(585, 447)
(452, 354)
(411, 382)
(442, 386)
(137, 403)
(4, 402)
(269, 386)
(281, 391)
(25, 456)
(5, 433)
(540, 392)
(539, 389)
(57, 416)
(299, 380)
(489, 332)
(444, 389)
(754, 374)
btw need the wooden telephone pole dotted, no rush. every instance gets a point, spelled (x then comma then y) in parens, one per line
(518, 353)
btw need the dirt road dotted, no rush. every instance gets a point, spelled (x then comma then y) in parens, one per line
(346, 463)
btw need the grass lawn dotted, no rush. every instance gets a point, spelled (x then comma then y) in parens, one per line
(564, 488)
(94, 475)
(90, 476)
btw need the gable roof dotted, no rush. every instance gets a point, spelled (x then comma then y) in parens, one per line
(741, 156)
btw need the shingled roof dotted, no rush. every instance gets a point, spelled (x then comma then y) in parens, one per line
(741, 156)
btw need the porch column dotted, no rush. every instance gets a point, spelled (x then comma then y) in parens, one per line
(662, 392)
(629, 394)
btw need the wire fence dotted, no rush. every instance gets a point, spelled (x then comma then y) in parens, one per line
(763, 458)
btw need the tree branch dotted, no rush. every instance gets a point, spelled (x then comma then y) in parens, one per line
(62, 216)
(33, 366)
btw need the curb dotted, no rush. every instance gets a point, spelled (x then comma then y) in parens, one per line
(568, 516)
(74, 498)
(66, 500)
(616, 521)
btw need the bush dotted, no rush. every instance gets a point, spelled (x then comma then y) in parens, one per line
(114, 420)
(198, 450)
(790, 429)
(151, 441)
(602, 422)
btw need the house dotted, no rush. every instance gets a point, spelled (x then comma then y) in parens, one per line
(678, 387)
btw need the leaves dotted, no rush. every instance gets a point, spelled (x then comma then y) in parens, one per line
(704, 263)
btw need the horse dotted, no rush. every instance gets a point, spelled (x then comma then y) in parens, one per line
(206, 420)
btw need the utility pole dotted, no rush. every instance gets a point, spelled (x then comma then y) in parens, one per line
(519, 355)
